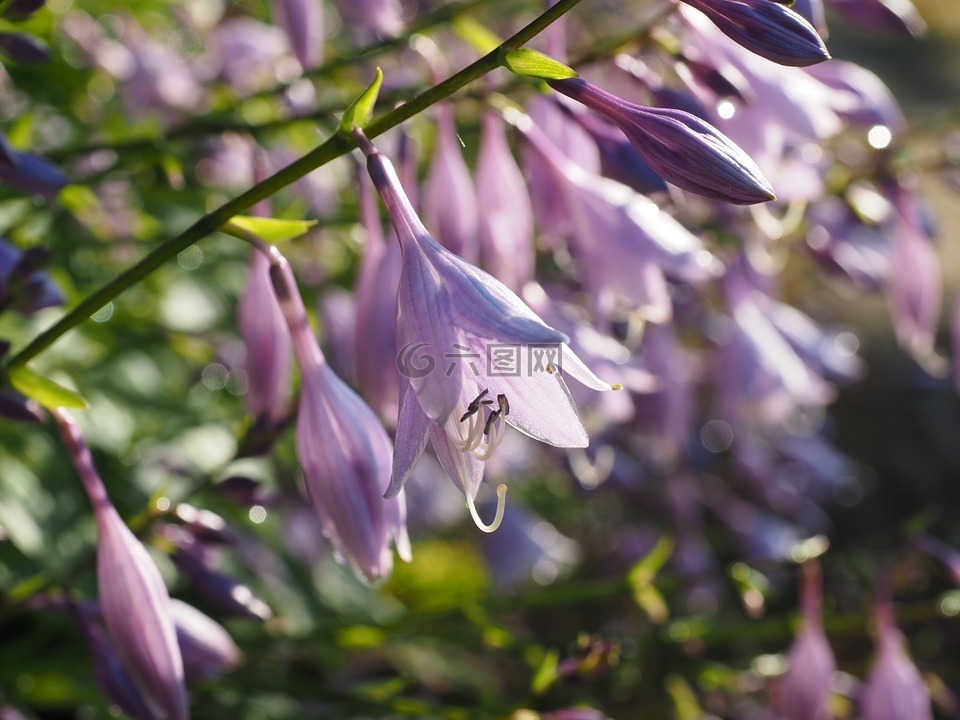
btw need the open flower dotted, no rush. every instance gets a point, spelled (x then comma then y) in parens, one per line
(475, 357)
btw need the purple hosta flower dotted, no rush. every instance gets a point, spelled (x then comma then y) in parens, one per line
(861, 97)
(14, 406)
(372, 19)
(302, 21)
(345, 479)
(449, 197)
(915, 285)
(898, 16)
(22, 286)
(23, 48)
(265, 337)
(805, 688)
(207, 649)
(624, 244)
(29, 173)
(762, 376)
(843, 243)
(525, 549)
(894, 689)
(253, 55)
(682, 148)
(376, 332)
(505, 233)
(812, 11)
(136, 606)
(454, 314)
(766, 28)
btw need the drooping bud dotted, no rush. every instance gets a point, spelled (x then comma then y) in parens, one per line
(135, 603)
(811, 665)
(894, 689)
(22, 9)
(346, 478)
(680, 147)
(208, 650)
(766, 28)
(23, 48)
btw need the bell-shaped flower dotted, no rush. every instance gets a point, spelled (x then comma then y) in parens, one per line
(805, 688)
(915, 284)
(766, 28)
(505, 233)
(267, 341)
(23, 48)
(894, 690)
(680, 147)
(343, 449)
(29, 173)
(302, 21)
(449, 196)
(22, 285)
(18, 10)
(475, 356)
(135, 602)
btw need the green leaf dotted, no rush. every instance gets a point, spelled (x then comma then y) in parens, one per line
(478, 35)
(531, 63)
(44, 390)
(269, 230)
(360, 113)
(546, 673)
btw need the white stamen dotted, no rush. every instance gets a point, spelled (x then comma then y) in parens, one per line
(493, 440)
(498, 518)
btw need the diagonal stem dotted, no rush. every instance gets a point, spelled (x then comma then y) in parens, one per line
(334, 147)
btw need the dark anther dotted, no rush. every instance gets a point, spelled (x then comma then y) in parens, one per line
(490, 420)
(475, 404)
(504, 404)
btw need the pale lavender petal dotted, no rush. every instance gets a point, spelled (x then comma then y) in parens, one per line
(409, 443)
(464, 469)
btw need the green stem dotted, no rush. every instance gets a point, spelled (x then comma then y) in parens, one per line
(334, 147)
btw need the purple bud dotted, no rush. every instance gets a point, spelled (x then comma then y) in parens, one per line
(228, 595)
(347, 478)
(136, 606)
(302, 21)
(208, 650)
(806, 685)
(244, 491)
(15, 406)
(204, 525)
(894, 689)
(23, 48)
(449, 198)
(267, 342)
(680, 147)
(29, 173)
(506, 221)
(373, 19)
(22, 9)
(812, 12)
(766, 28)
